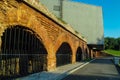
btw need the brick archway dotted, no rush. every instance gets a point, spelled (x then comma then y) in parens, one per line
(61, 39)
(67, 39)
(22, 52)
(63, 52)
(79, 54)
(23, 15)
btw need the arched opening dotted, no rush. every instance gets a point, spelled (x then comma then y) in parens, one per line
(87, 55)
(63, 55)
(79, 54)
(22, 52)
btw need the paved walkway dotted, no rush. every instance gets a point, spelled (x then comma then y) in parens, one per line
(99, 69)
(58, 74)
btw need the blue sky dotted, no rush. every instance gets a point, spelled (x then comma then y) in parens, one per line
(111, 15)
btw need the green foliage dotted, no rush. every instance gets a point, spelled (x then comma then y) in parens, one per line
(112, 52)
(112, 43)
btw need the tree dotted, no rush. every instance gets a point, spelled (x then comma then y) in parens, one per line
(112, 43)
(118, 43)
(106, 41)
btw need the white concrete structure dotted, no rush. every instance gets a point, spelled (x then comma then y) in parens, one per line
(84, 18)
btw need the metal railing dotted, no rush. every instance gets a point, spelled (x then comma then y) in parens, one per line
(21, 64)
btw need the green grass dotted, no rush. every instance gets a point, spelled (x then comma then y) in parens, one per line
(112, 52)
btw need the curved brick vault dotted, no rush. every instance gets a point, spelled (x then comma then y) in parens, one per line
(50, 32)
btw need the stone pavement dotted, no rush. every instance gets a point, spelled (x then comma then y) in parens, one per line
(58, 74)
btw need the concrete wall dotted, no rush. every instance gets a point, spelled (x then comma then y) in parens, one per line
(86, 19)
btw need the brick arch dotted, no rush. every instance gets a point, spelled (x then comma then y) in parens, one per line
(79, 45)
(25, 54)
(63, 52)
(79, 54)
(87, 52)
(61, 39)
(38, 29)
(38, 34)
(23, 15)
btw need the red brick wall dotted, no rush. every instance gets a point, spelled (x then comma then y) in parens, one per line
(53, 35)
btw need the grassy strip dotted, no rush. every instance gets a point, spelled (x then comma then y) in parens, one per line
(112, 52)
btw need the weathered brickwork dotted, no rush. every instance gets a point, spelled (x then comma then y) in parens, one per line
(50, 33)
